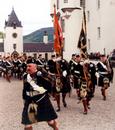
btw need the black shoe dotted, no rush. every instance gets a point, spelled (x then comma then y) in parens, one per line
(58, 110)
(92, 95)
(85, 112)
(88, 107)
(64, 104)
(104, 98)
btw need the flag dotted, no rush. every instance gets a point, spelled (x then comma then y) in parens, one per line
(58, 36)
(82, 43)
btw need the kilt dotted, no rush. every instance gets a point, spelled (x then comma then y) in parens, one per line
(66, 85)
(77, 82)
(101, 78)
(45, 111)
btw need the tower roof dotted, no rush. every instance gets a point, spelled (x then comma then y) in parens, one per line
(13, 20)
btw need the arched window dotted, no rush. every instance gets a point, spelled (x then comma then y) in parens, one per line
(65, 1)
(98, 32)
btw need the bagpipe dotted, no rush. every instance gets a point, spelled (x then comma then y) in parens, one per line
(58, 77)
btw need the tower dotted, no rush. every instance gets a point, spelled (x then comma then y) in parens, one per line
(70, 14)
(13, 40)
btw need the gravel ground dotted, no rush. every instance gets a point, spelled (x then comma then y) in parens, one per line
(101, 116)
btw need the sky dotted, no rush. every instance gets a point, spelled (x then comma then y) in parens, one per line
(34, 14)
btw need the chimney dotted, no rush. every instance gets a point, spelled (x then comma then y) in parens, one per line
(45, 37)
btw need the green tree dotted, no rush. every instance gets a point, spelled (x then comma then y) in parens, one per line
(2, 35)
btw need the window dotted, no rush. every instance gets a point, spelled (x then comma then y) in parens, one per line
(14, 25)
(98, 4)
(98, 32)
(63, 25)
(14, 35)
(65, 1)
(82, 3)
(14, 46)
(88, 16)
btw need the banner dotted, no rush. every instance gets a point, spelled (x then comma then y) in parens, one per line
(58, 36)
(82, 43)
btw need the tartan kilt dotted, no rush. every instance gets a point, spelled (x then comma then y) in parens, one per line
(45, 111)
(100, 81)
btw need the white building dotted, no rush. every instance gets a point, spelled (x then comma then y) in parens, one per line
(100, 24)
(71, 19)
(13, 40)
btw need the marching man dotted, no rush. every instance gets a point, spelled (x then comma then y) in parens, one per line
(37, 106)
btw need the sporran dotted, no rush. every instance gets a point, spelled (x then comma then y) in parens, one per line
(58, 84)
(83, 90)
(32, 112)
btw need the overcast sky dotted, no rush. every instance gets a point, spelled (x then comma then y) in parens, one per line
(34, 14)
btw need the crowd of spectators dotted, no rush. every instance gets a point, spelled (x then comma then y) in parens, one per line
(94, 56)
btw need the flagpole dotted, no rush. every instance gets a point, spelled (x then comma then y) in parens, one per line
(82, 43)
(85, 25)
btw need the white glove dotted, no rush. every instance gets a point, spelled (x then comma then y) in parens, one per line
(97, 75)
(64, 73)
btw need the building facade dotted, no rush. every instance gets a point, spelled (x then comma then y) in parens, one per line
(100, 24)
(70, 12)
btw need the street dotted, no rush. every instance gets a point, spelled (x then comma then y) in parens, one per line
(101, 116)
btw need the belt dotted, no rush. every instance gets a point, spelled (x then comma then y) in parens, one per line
(103, 72)
(77, 72)
(41, 98)
(28, 93)
(32, 93)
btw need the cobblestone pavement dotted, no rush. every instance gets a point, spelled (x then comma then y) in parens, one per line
(101, 116)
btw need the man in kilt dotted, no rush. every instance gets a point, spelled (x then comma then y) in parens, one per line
(105, 74)
(77, 72)
(37, 105)
(82, 82)
(66, 88)
(92, 72)
(53, 71)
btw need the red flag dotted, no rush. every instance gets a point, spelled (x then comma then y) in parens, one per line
(58, 36)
